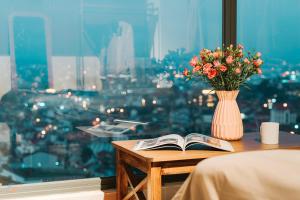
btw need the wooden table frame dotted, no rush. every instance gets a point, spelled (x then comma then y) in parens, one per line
(158, 163)
(154, 173)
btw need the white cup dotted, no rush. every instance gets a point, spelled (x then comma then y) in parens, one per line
(269, 133)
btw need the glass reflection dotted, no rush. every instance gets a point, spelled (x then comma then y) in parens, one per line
(77, 74)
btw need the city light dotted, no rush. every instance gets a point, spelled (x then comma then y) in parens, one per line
(37, 119)
(285, 105)
(97, 119)
(210, 104)
(35, 107)
(296, 126)
(292, 132)
(243, 116)
(154, 102)
(265, 105)
(121, 110)
(84, 104)
(51, 90)
(143, 102)
(42, 104)
(200, 100)
(178, 75)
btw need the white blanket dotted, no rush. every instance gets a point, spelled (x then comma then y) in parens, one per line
(260, 175)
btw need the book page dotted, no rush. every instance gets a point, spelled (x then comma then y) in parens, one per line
(167, 140)
(195, 138)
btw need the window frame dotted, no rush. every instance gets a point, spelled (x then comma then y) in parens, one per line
(229, 22)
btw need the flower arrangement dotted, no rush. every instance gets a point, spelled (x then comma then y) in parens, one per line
(225, 69)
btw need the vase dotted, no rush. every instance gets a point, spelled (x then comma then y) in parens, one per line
(227, 122)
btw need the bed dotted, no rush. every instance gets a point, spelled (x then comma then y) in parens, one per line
(262, 175)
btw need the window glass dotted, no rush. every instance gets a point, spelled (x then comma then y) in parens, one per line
(272, 28)
(69, 65)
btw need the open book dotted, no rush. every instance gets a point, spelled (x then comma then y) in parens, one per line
(174, 140)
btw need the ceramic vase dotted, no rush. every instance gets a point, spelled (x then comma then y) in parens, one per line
(227, 122)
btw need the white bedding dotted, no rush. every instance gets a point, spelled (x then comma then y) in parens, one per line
(261, 175)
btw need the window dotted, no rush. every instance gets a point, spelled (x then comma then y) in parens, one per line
(272, 28)
(68, 65)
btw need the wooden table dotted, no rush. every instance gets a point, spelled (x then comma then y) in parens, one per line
(168, 162)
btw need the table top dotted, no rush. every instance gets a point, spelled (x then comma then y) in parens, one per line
(250, 142)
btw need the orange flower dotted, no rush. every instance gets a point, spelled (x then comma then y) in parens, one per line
(194, 61)
(204, 52)
(196, 68)
(223, 68)
(216, 54)
(257, 62)
(212, 73)
(206, 68)
(185, 72)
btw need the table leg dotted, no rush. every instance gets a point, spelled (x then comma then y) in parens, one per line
(154, 183)
(122, 184)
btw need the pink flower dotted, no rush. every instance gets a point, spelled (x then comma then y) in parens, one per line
(185, 72)
(246, 61)
(257, 62)
(229, 60)
(238, 70)
(194, 61)
(206, 68)
(217, 63)
(240, 46)
(196, 68)
(258, 54)
(212, 73)
(259, 71)
(223, 68)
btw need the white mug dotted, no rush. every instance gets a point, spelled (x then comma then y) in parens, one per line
(269, 133)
